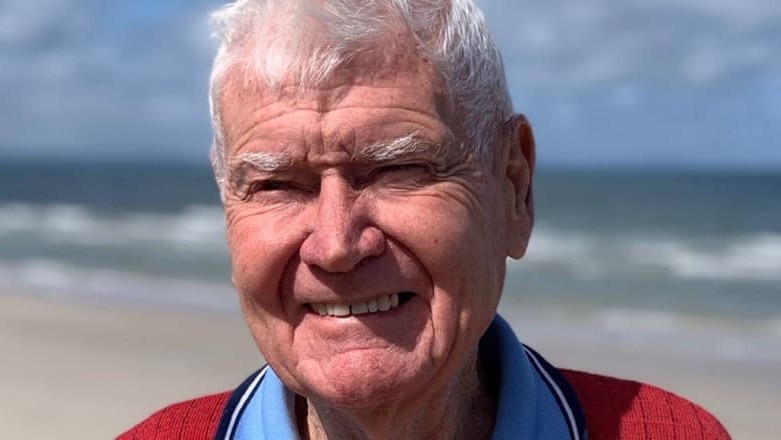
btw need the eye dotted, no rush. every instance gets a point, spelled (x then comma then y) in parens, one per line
(272, 189)
(408, 168)
(402, 174)
(402, 167)
(270, 185)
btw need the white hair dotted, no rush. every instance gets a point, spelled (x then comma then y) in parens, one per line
(311, 39)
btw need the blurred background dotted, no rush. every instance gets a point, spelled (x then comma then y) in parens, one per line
(658, 127)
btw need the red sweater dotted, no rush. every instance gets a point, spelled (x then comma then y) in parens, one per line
(615, 409)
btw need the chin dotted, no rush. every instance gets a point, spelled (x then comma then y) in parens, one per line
(364, 380)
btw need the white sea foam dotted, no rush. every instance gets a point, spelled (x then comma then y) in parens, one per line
(651, 331)
(692, 336)
(575, 251)
(753, 257)
(775, 326)
(756, 257)
(655, 322)
(195, 228)
(56, 278)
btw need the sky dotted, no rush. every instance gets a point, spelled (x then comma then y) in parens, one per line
(644, 83)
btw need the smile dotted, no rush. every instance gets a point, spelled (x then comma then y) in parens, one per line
(376, 305)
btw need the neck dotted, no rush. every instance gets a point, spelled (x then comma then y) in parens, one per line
(464, 408)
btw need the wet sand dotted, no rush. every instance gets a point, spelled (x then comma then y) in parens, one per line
(89, 370)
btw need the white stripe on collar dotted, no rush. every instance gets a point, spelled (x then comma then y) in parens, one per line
(558, 394)
(243, 402)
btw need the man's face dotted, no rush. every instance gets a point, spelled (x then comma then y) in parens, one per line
(408, 243)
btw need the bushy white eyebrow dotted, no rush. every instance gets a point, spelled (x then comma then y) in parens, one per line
(265, 161)
(385, 151)
(262, 161)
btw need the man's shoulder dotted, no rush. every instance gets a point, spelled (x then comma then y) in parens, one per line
(626, 409)
(194, 419)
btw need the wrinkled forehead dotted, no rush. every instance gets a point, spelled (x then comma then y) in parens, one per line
(394, 65)
(391, 59)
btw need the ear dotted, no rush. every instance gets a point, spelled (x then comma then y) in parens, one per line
(519, 172)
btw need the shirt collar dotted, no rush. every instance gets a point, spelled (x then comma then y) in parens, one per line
(535, 401)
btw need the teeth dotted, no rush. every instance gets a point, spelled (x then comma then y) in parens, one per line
(359, 309)
(381, 304)
(341, 310)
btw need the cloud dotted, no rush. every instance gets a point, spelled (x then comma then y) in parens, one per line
(647, 83)
(650, 81)
(90, 81)
(562, 43)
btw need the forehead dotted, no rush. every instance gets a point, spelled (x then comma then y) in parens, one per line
(376, 96)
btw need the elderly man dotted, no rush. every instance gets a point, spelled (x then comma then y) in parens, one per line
(375, 180)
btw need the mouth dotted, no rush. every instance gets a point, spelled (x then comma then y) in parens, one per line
(382, 303)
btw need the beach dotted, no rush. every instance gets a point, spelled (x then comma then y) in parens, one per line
(115, 299)
(89, 369)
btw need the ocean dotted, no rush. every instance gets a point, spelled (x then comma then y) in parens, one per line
(690, 259)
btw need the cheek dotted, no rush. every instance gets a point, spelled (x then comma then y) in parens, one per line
(460, 243)
(454, 241)
(259, 253)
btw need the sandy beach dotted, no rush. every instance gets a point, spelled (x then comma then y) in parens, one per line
(75, 370)
(89, 370)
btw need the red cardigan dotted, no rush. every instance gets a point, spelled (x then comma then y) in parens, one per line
(614, 408)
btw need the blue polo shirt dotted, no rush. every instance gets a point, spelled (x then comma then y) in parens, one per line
(535, 401)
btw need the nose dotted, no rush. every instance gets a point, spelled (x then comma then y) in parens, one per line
(340, 234)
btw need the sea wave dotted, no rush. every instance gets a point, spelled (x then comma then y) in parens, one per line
(693, 336)
(666, 332)
(57, 278)
(198, 231)
(747, 257)
(755, 257)
(194, 228)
